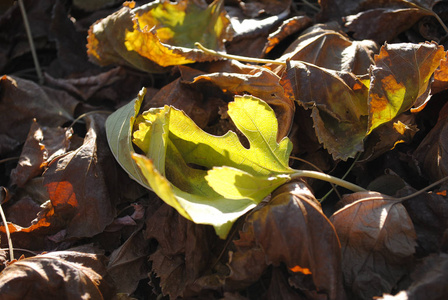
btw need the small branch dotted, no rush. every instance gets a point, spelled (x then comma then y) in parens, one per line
(328, 178)
(238, 57)
(31, 42)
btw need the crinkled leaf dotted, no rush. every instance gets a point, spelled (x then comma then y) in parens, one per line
(400, 79)
(159, 34)
(378, 242)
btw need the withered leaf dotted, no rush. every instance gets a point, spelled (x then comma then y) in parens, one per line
(400, 79)
(389, 22)
(339, 107)
(184, 251)
(430, 280)
(66, 274)
(378, 242)
(78, 183)
(128, 264)
(310, 241)
(21, 101)
(41, 145)
(432, 154)
(324, 45)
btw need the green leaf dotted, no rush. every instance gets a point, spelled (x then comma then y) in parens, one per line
(119, 132)
(180, 160)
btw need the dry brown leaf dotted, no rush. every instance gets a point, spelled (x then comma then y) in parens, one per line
(378, 242)
(324, 45)
(79, 183)
(55, 275)
(309, 243)
(21, 101)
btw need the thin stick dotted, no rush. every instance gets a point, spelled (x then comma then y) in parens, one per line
(31, 42)
(238, 57)
(328, 178)
(8, 236)
(429, 11)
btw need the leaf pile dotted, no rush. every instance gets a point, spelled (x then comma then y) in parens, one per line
(141, 167)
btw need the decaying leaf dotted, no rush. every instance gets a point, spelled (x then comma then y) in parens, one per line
(78, 185)
(400, 79)
(378, 242)
(310, 243)
(66, 274)
(159, 34)
(324, 45)
(430, 280)
(339, 106)
(21, 101)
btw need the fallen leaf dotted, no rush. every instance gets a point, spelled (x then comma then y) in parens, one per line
(236, 78)
(21, 101)
(79, 186)
(68, 274)
(339, 107)
(400, 79)
(378, 242)
(159, 34)
(389, 22)
(184, 251)
(310, 241)
(171, 144)
(327, 47)
(128, 264)
(430, 280)
(41, 146)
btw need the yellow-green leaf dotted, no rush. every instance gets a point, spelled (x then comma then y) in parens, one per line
(159, 34)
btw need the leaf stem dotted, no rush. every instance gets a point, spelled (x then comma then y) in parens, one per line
(328, 178)
(238, 57)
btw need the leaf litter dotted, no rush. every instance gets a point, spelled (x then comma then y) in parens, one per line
(189, 189)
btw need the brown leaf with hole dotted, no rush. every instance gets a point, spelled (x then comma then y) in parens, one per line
(310, 240)
(57, 275)
(378, 242)
(79, 186)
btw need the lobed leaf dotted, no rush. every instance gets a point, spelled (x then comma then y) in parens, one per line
(179, 159)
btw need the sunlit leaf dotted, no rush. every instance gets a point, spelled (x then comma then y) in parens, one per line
(179, 154)
(400, 77)
(159, 34)
(378, 241)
